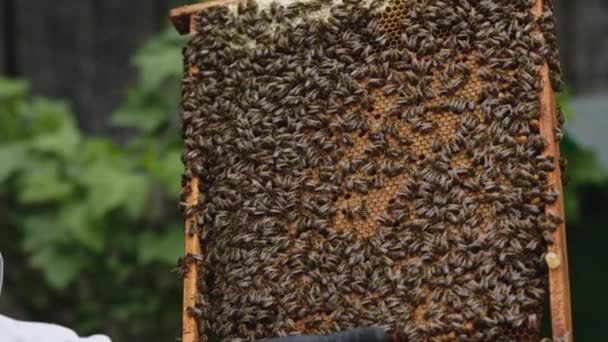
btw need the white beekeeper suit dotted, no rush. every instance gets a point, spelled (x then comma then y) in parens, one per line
(18, 331)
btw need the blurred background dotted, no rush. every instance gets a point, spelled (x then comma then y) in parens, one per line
(90, 164)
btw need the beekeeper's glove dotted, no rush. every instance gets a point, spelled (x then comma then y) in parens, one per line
(355, 335)
(18, 331)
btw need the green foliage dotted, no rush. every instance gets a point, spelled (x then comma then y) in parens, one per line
(96, 219)
(585, 196)
(583, 168)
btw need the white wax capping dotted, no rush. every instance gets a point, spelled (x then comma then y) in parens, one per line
(323, 13)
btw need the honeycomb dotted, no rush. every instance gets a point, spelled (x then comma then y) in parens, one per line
(370, 163)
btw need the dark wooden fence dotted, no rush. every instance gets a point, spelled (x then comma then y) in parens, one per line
(583, 36)
(80, 49)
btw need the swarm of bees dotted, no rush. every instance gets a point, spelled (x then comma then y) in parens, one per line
(370, 163)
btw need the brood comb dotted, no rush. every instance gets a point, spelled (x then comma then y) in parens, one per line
(383, 162)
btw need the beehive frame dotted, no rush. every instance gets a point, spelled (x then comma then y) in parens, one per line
(559, 289)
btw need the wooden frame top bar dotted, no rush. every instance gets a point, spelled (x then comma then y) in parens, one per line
(180, 16)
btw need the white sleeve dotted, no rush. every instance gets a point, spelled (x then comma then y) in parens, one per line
(18, 331)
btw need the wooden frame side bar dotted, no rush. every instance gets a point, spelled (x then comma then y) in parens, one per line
(559, 281)
(183, 20)
(192, 248)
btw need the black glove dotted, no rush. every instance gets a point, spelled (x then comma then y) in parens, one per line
(355, 335)
(1, 271)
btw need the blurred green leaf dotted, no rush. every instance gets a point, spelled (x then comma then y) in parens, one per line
(563, 100)
(47, 116)
(111, 186)
(166, 170)
(64, 141)
(59, 269)
(138, 187)
(165, 247)
(140, 111)
(41, 182)
(75, 219)
(11, 88)
(13, 158)
(41, 231)
(157, 62)
(571, 204)
(583, 166)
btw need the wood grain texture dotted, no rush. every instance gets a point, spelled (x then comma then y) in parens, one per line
(184, 23)
(192, 246)
(559, 281)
